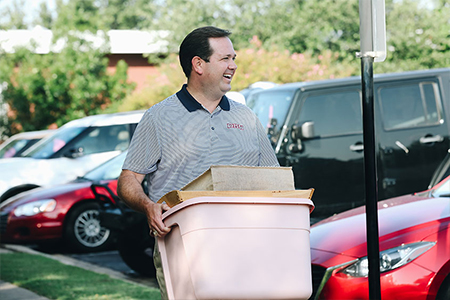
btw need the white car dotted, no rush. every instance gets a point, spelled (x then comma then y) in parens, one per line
(18, 143)
(74, 149)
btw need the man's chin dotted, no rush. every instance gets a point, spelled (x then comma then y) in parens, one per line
(226, 88)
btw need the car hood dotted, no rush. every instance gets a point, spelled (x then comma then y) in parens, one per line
(345, 233)
(43, 193)
(47, 172)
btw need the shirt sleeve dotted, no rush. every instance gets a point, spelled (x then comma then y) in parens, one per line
(144, 151)
(267, 157)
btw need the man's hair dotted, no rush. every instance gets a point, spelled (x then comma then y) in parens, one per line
(196, 43)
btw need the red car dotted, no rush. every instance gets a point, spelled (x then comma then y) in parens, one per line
(414, 241)
(67, 212)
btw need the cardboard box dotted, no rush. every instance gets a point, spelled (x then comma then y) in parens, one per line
(240, 178)
(176, 197)
(238, 181)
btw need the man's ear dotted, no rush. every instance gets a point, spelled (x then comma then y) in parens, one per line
(197, 65)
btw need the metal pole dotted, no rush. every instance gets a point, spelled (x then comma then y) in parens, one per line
(370, 178)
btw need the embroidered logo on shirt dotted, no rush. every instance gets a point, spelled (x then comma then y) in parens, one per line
(235, 125)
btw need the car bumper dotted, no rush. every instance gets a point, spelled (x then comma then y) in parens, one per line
(23, 230)
(408, 282)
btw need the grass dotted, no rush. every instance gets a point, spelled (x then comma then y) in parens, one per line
(58, 281)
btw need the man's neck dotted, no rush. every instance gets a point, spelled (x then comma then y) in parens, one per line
(207, 101)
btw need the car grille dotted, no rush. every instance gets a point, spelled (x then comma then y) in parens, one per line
(317, 275)
(3, 221)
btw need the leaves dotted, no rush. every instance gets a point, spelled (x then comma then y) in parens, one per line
(276, 40)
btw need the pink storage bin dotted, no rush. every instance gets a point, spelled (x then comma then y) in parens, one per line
(238, 248)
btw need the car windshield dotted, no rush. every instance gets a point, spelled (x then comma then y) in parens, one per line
(271, 107)
(442, 189)
(15, 146)
(107, 171)
(46, 148)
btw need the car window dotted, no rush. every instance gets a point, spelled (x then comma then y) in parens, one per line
(104, 139)
(270, 105)
(411, 105)
(333, 113)
(443, 190)
(12, 148)
(51, 145)
(109, 170)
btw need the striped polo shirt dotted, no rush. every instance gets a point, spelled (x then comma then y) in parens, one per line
(178, 139)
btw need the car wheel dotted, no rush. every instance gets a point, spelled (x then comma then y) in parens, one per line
(136, 250)
(83, 232)
(444, 290)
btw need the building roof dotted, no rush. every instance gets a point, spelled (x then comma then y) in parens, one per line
(39, 40)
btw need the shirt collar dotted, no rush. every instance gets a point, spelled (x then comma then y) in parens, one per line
(192, 105)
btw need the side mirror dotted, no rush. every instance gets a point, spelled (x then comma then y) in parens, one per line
(303, 131)
(299, 132)
(74, 152)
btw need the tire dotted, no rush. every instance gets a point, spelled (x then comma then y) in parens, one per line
(17, 190)
(135, 247)
(83, 232)
(444, 290)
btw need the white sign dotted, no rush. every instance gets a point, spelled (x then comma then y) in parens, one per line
(372, 29)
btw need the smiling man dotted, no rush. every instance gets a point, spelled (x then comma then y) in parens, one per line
(182, 136)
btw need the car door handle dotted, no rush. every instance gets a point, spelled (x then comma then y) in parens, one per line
(357, 147)
(431, 139)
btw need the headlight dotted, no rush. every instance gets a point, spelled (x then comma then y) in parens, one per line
(33, 208)
(389, 259)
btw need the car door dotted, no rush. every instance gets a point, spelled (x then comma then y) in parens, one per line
(411, 134)
(331, 161)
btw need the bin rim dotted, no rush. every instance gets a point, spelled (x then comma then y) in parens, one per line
(239, 200)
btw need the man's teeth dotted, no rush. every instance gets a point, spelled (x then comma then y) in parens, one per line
(227, 76)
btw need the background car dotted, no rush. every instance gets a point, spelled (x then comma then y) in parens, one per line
(74, 149)
(18, 143)
(134, 243)
(67, 212)
(414, 241)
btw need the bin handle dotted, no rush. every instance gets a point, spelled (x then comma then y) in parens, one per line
(170, 223)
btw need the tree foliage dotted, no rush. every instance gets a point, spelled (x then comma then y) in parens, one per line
(276, 40)
(54, 88)
(14, 16)
(58, 87)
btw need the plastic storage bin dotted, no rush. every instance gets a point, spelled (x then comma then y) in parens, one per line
(238, 248)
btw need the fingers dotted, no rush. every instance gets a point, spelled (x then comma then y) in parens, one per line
(154, 216)
(165, 207)
(159, 233)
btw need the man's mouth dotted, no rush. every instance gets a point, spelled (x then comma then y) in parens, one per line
(228, 76)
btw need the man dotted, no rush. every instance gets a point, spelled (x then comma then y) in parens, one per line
(181, 137)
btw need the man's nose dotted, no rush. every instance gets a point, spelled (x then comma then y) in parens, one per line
(233, 65)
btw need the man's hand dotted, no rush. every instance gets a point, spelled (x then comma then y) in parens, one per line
(130, 191)
(154, 216)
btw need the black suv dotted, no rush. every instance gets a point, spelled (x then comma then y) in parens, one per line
(316, 128)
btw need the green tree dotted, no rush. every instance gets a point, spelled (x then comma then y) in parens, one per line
(417, 37)
(127, 14)
(45, 18)
(320, 25)
(14, 16)
(53, 88)
(58, 87)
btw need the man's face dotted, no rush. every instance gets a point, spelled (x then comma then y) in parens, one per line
(221, 67)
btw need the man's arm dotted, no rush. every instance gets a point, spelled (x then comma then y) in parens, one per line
(129, 189)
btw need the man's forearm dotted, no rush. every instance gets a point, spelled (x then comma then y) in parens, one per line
(129, 189)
